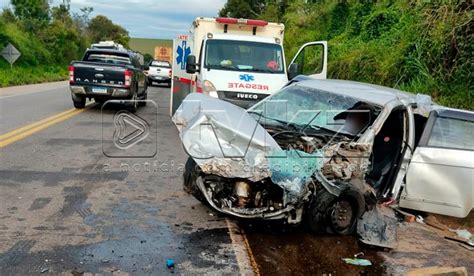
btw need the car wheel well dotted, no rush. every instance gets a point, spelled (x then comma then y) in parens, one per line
(328, 213)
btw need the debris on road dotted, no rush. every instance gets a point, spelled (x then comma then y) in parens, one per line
(170, 263)
(44, 270)
(470, 248)
(436, 270)
(464, 234)
(378, 227)
(460, 240)
(410, 218)
(433, 222)
(359, 262)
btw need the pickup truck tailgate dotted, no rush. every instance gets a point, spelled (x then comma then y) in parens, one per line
(159, 71)
(100, 74)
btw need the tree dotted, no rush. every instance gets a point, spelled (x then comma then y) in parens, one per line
(31, 9)
(243, 8)
(82, 20)
(269, 10)
(8, 15)
(102, 28)
(271, 13)
(147, 58)
(61, 13)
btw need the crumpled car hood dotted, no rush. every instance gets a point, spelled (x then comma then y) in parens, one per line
(225, 140)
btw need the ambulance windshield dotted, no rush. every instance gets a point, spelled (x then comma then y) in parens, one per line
(235, 55)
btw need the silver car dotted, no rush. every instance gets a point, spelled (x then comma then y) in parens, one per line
(325, 151)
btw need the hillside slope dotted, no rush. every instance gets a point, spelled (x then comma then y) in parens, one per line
(412, 45)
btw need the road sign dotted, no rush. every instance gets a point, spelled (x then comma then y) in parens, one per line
(10, 53)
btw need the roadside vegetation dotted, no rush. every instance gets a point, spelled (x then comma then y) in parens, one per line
(49, 38)
(417, 46)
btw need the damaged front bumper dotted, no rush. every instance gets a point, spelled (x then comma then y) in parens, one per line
(244, 172)
(247, 213)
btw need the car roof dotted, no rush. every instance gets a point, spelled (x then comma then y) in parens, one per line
(369, 93)
(448, 112)
(111, 51)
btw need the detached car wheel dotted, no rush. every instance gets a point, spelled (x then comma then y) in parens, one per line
(190, 175)
(78, 101)
(331, 214)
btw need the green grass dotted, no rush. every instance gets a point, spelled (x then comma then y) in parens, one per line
(416, 46)
(30, 75)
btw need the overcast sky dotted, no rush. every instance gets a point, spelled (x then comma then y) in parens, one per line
(148, 18)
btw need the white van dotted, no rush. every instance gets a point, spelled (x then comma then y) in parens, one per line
(241, 61)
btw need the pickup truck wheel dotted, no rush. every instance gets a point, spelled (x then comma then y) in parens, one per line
(144, 97)
(331, 214)
(133, 103)
(78, 101)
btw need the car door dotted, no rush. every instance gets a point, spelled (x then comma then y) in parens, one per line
(311, 60)
(440, 177)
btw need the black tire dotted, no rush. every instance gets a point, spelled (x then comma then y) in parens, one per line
(78, 101)
(330, 214)
(144, 100)
(190, 174)
(144, 97)
(133, 106)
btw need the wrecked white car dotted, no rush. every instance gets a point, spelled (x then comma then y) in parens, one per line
(325, 150)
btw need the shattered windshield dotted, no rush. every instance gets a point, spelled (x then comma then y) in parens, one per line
(248, 56)
(309, 107)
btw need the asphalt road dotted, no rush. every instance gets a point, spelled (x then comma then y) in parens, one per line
(67, 207)
(23, 105)
(70, 203)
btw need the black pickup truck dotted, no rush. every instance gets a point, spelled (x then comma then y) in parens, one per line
(105, 74)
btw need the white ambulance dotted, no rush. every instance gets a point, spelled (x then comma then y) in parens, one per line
(238, 60)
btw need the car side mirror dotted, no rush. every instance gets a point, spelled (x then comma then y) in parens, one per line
(293, 70)
(191, 64)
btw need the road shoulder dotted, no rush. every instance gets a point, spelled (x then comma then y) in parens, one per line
(26, 89)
